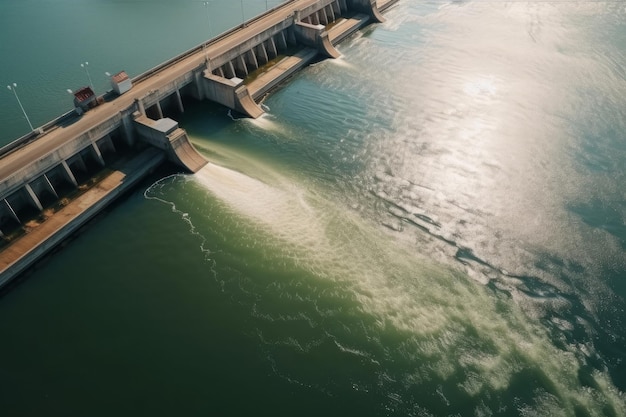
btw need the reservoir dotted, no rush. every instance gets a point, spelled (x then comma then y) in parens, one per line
(433, 224)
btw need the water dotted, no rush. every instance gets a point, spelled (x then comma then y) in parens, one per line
(433, 224)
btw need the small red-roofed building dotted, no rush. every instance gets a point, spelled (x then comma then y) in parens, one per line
(121, 82)
(85, 99)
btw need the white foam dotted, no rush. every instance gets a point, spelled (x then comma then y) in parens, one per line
(442, 312)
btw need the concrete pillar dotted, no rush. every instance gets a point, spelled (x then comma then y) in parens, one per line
(68, 172)
(282, 42)
(50, 187)
(330, 13)
(141, 107)
(336, 8)
(98, 154)
(271, 46)
(13, 214)
(252, 59)
(179, 101)
(262, 54)
(323, 16)
(159, 109)
(128, 133)
(33, 196)
(219, 72)
(230, 70)
(315, 18)
(240, 64)
(197, 79)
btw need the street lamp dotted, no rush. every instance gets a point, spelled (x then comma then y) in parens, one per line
(243, 18)
(208, 17)
(85, 65)
(14, 89)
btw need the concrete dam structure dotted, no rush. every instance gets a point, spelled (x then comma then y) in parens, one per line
(53, 180)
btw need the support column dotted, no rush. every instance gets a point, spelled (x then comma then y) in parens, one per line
(271, 45)
(179, 101)
(252, 59)
(197, 79)
(69, 173)
(33, 196)
(96, 150)
(50, 187)
(230, 70)
(159, 109)
(141, 107)
(8, 206)
(315, 19)
(240, 64)
(262, 54)
(330, 13)
(282, 42)
(323, 16)
(128, 133)
(336, 8)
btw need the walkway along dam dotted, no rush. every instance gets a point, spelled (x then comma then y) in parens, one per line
(53, 180)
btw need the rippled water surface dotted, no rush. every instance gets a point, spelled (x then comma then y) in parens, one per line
(432, 225)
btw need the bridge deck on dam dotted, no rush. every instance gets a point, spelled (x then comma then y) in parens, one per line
(14, 163)
(238, 67)
(62, 223)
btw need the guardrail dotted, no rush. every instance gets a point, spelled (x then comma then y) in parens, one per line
(52, 124)
(205, 44)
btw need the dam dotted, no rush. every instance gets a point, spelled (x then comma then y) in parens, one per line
(59, 176)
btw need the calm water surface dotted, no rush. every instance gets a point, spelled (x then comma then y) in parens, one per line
(432, 225)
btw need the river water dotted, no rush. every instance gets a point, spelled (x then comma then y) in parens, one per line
(432, 225)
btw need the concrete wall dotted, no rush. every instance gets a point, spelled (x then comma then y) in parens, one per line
(167, 136)
(38, 167)
(221, 90)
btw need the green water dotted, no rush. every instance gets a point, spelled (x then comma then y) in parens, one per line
(432, 225)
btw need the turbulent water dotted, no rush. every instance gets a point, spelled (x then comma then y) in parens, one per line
(432, 225)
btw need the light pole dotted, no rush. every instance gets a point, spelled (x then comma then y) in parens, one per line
(208, 17)
(243, 18)
(85, 65)
(14, 89)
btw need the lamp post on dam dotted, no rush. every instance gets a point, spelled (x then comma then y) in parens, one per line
(132, 127)
(85, 65)
(14, 89)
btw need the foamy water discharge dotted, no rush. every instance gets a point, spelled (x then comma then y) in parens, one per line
(451, 328)
(469, 296)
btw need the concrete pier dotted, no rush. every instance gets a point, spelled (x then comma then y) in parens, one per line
(55, 179)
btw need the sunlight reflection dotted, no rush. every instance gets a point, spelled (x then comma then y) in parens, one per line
(482, 87)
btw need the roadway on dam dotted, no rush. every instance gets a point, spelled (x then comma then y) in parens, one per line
(59, 136)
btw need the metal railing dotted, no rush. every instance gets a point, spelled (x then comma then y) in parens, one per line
(52, 124)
